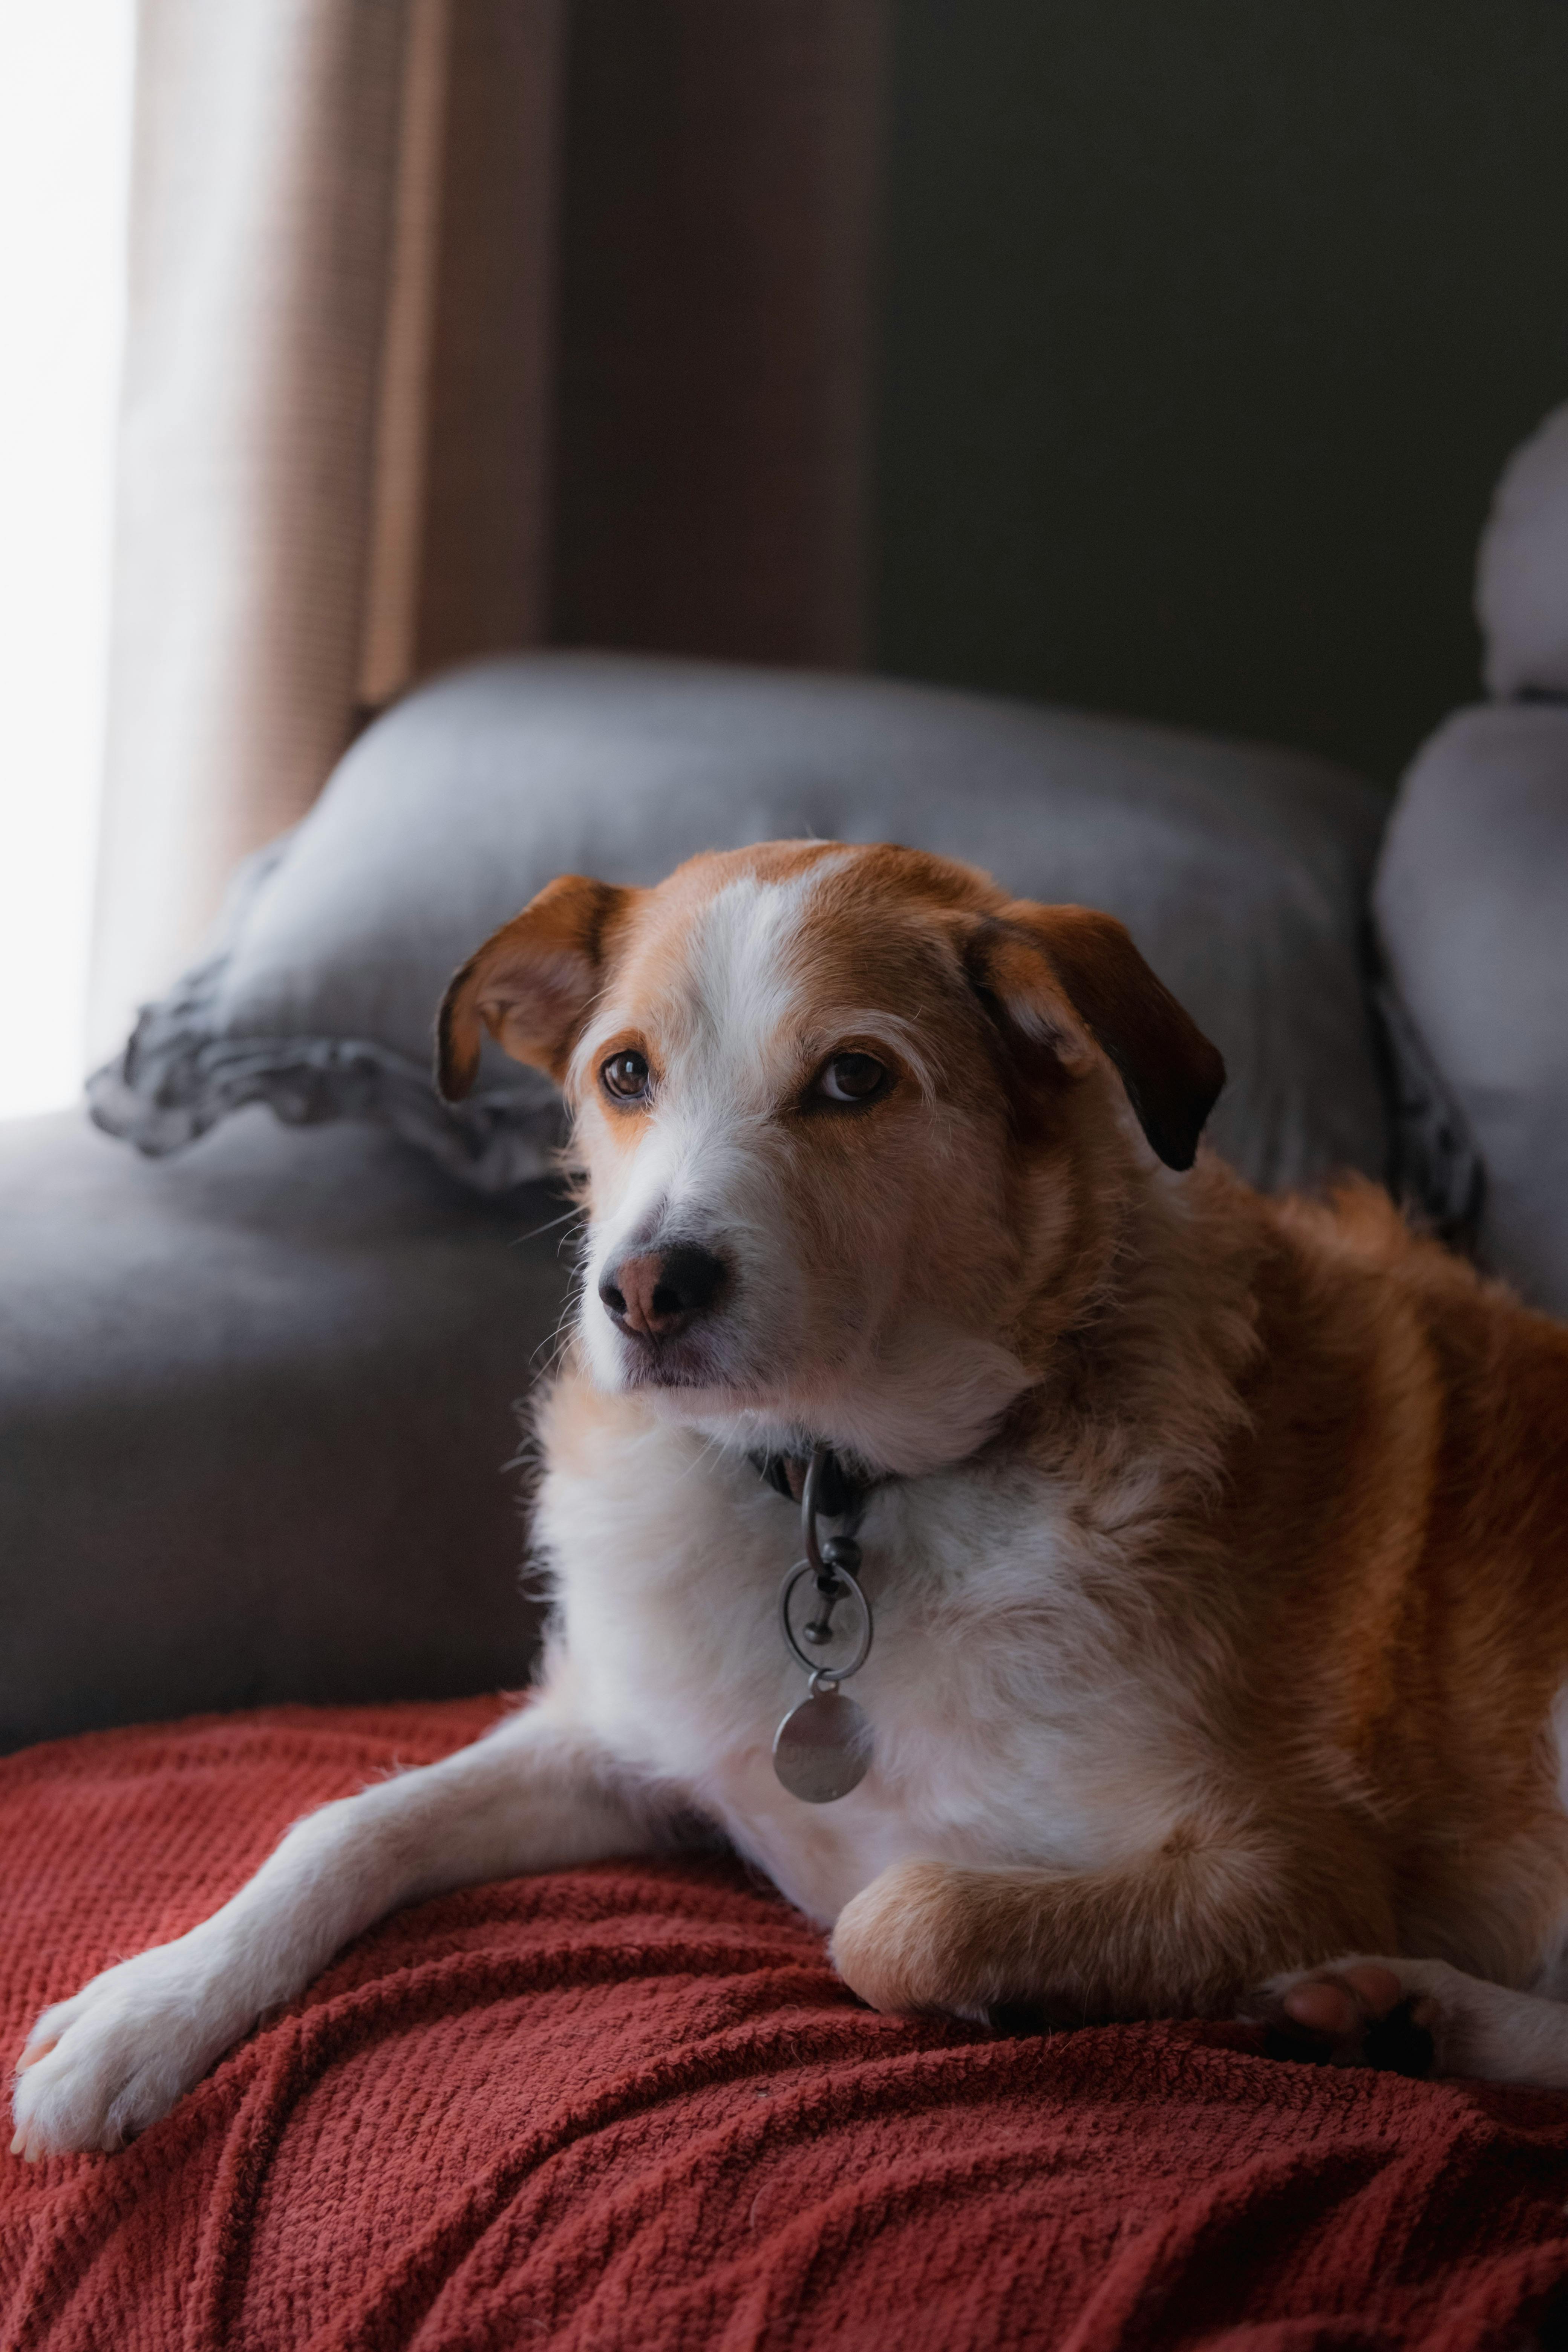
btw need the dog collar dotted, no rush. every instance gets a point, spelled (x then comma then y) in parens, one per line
(840, 1491)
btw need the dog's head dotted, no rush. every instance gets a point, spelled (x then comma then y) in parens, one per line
(855, 1128)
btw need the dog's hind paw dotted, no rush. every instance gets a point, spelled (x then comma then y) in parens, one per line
(1382, 2013)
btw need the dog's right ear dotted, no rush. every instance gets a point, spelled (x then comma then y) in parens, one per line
(532, 983)
(1063, 979)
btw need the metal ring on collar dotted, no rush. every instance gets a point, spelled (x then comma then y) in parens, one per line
(826, 1675)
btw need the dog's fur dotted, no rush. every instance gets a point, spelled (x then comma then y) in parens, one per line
(1217, 1554)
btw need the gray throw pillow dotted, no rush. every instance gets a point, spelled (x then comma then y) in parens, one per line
(1241, 872)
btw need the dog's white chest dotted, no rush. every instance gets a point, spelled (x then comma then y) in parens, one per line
(667, 1577)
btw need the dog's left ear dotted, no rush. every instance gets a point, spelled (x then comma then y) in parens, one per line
(1065, 979)
(532, 983)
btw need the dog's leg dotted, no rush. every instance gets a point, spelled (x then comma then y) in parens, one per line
(1182, 1933)
(535, 1794)
(1414, 2017)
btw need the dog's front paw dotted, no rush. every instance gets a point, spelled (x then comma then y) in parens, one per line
(1356, 2012)
(100, 2067)
(903, 1942)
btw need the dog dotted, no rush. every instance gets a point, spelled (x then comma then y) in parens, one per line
(1217, 1545)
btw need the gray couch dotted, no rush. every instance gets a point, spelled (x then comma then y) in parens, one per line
(258, 1392)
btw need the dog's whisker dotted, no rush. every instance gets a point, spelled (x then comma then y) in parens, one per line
(574, 1215)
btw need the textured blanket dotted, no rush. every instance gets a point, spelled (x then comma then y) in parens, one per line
(630, 2108)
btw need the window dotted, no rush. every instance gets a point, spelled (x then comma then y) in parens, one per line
(65, 125)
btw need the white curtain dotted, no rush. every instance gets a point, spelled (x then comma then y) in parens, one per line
(296, 346)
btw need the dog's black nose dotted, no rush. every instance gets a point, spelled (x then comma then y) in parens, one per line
(656, 1293)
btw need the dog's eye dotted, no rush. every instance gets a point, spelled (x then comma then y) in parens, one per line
(854, 1079)
(625, 1076)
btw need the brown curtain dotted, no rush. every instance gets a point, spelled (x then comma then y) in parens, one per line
(457, 325)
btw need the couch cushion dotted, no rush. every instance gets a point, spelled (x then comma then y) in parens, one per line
(630, 2107)
(1242, 873)
(1472, 910)
(256, 1410)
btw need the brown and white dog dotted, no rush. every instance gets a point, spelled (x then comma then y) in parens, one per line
(1218, 1545)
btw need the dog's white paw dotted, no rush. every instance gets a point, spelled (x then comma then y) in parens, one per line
(100, 2067)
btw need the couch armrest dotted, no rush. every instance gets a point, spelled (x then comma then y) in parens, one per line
(257, 1414)
(1472, 908)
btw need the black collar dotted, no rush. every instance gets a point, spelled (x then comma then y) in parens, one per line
(841, 1490)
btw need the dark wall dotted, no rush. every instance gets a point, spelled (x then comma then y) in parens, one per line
(1207, 326)
(717, 212)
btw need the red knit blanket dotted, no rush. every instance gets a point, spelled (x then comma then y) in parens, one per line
(630, 2108)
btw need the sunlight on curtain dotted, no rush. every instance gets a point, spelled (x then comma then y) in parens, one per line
(64, 142)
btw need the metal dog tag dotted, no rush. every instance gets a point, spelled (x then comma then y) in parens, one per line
(822, 1750)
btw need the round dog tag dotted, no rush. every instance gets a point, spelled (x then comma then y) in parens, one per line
(822, 1750)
